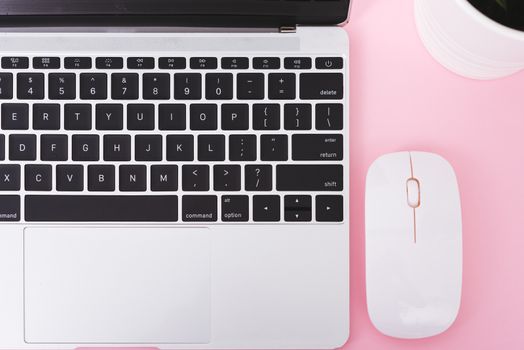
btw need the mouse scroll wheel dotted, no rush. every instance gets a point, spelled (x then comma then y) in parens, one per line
(413, 192)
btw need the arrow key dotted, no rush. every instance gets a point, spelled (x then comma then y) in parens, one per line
(297, 208)
(330, 208)
(266, 208)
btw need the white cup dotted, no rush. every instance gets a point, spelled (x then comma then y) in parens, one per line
(468, 42)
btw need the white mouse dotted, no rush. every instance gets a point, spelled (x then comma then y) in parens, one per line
(413, 245)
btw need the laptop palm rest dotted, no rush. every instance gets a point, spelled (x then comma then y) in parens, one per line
(116, 285)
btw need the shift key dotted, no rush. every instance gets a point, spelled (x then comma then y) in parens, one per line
(310, 178)
(321, 86)
(318, 147)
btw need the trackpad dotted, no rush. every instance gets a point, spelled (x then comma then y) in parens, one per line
(117, 285)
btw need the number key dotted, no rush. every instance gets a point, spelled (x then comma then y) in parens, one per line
(62, 86)
(30, 86)
(6, 86)
(219, 86)
(156, 86)
(188, 86)
(124, 86)
(93, 86)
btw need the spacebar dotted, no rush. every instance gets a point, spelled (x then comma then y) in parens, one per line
(101, 208)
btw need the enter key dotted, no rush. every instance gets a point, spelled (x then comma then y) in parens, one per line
(318, 147)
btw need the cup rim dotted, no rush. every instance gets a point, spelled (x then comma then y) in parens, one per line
(472, 10)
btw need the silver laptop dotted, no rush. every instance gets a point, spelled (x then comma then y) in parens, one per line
(174, 174)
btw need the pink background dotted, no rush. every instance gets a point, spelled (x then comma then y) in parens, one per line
(401, 99)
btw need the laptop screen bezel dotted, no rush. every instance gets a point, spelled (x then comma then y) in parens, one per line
(229, 13)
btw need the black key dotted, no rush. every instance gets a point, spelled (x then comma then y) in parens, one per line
(219, 86)
(172, 117)
(140, 63)
(53, 148)
(310, 178)
(46, 116)
(109, 117)
(140, 117)
(77, 117)
(317, 147)
(235, 63)
(188, 86)
(22, 147)
(148, 148)
(266, 117)
(297, 208)
(164, 178)
(46, 62)
(195, 178)
(329, 63)
(329, 116)
(242, 148)
(78, 63)
(329, 208)
(30, 86)
(235, 208)
(9, 177)
(2, 147)
(132, 178)
(156, 86)
(297, 117)
(258, 178)
(15, 116)
(203, 117)
(266, 63)
(321, 86)
(9, 208)
(211, 148)
(172, 63)
(93, 86)
(124, 86)
(12, 62)
(86, 148)
(235, 116)
(101, 178)
(266, 208)
(199, 208)
(282, 86)
(69, 178)
(109, 63)
(250, 86)
(117, 148)
(297, 63)
(273, 148)
(203, 63)
(180, 148)
(226, 177)
(67, 208)
(62, 86)
(6, 86)
(38, 178)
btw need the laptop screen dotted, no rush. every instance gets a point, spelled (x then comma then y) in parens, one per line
(182, 12)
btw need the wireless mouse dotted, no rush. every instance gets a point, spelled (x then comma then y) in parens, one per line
(413, 245)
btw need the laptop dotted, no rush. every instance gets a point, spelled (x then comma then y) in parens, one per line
(174, 174)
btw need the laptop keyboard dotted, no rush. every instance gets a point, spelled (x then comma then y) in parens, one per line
(172, 139)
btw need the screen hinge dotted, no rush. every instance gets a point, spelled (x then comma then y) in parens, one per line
(288, 29)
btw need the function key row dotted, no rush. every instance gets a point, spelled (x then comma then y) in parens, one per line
(205, 63)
